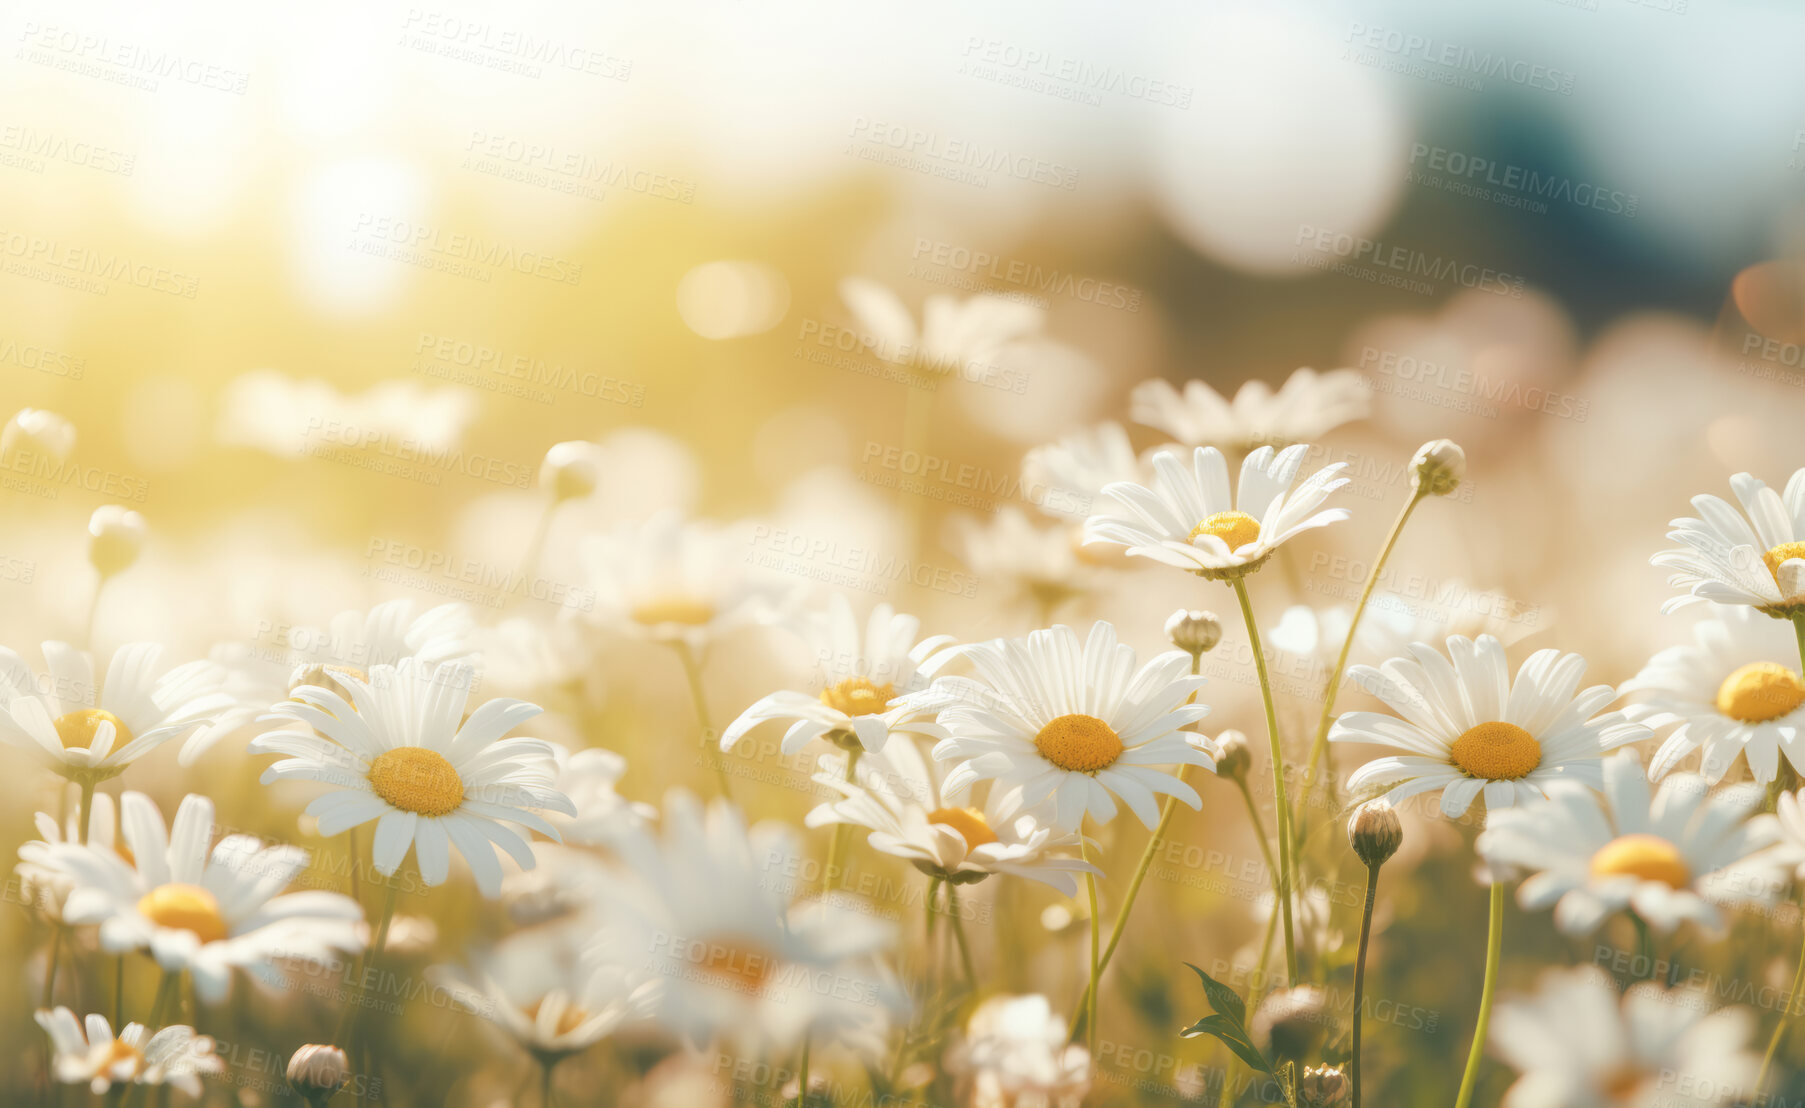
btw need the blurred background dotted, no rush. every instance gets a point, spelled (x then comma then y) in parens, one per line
(316, 289)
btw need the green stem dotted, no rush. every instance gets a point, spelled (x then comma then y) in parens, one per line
(87, 808)
(56, 952)
(828, 876)
(1494, 945)
(347, 1018)
(545, 1082)
(692, 670)
(1090, 1016)
(1366, 933)
(1786, 1016)
(1319, 747)
(1645, 946)
(1283, 815)
(166, 992)
(952, 913)
(933, 963)
(118, 989)
(802, 1075)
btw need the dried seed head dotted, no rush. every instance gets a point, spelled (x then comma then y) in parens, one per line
(1375, 832)
(1233, 758)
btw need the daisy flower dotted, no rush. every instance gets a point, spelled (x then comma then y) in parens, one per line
(955, 336)
(87, 1053)
(1754, 557)
(545, 998)
(1467, 728)
(198, 906)
(398, 754)
(588, 778)
(1052, 717)
(1577, 1044)
(912, 816)
(44, 882)
(352, 642)
(1307, 406)
(1725, 692)
(1015, 1051)
(1067, 476)
(91, 731)
(865, 673)
(703, 904)
(1668, 859)
(676, 581)
(1045, 564)
(1187, 518)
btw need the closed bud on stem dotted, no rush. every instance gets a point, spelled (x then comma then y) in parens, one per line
(1194, 632)
(1440, 466)
(570, 470)
(1323, 1087)
(115, 536)
(38, 431)
(316, 1072)
(1375, 832)
(1233, 759)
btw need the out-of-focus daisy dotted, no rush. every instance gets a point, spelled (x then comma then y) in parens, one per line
(1789, 813)
(703, 904)
(86, 1052)
(1467, 729)
(1667, 859)
(1050, 716)
(910, 815)
(352, 642)
(44, 882)
(199, 906)
(1577, 1044)
(398, 754)
(91, 731)
(1065, 478)
(865, 674)
(1014, 1052)
(955, 336)
(37, 430)
(1726, 691)
(1754, 557)
(587, 777)
(1188, 519)
(546, 998)
(1307, 406)
(1013, 556)
(678, 581)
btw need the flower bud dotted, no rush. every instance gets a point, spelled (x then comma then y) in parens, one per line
(116, 535)
(570, 470)
(324, 676)
(1292, 1024)
(1440, 466)
(316, 1072)
(1375, 832)
(1194, 632)
(37, 430)
(1323, 1087)
(1233, 758)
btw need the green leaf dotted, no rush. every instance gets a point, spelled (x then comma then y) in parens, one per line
(1222, 1027)
(1222, 998)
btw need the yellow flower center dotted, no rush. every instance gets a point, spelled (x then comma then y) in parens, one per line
(1497, 751)
(181, 907)
(857, 696)
(674, 609)
(1781, 553)
(1237, 529)
(969, 822)
(568, 1020)
(76, 729)
(117, 1052)
(738, 966)
(1648, 857)
(1760, 691)
(1079, 743)
(416, 779)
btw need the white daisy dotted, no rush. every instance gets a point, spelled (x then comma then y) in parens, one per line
(911, 815)
(1307, 406)
(1754, 557)
(704, 905)
(864, 677)
(90, 732)
(955, 336)
(1669, 859)
(588, 778)
(1022, 559)
(199, 906)
(678, 581)
(1013, 1053)
(44, 882)
(1728, 691)
(1188, 519)
(399, 754)
(1578, 1045)
(1068, 476)
(87, 1053)
(352, 642)
(545, 997)
(1789, 813)
(1050, 716)
(1467, 728)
